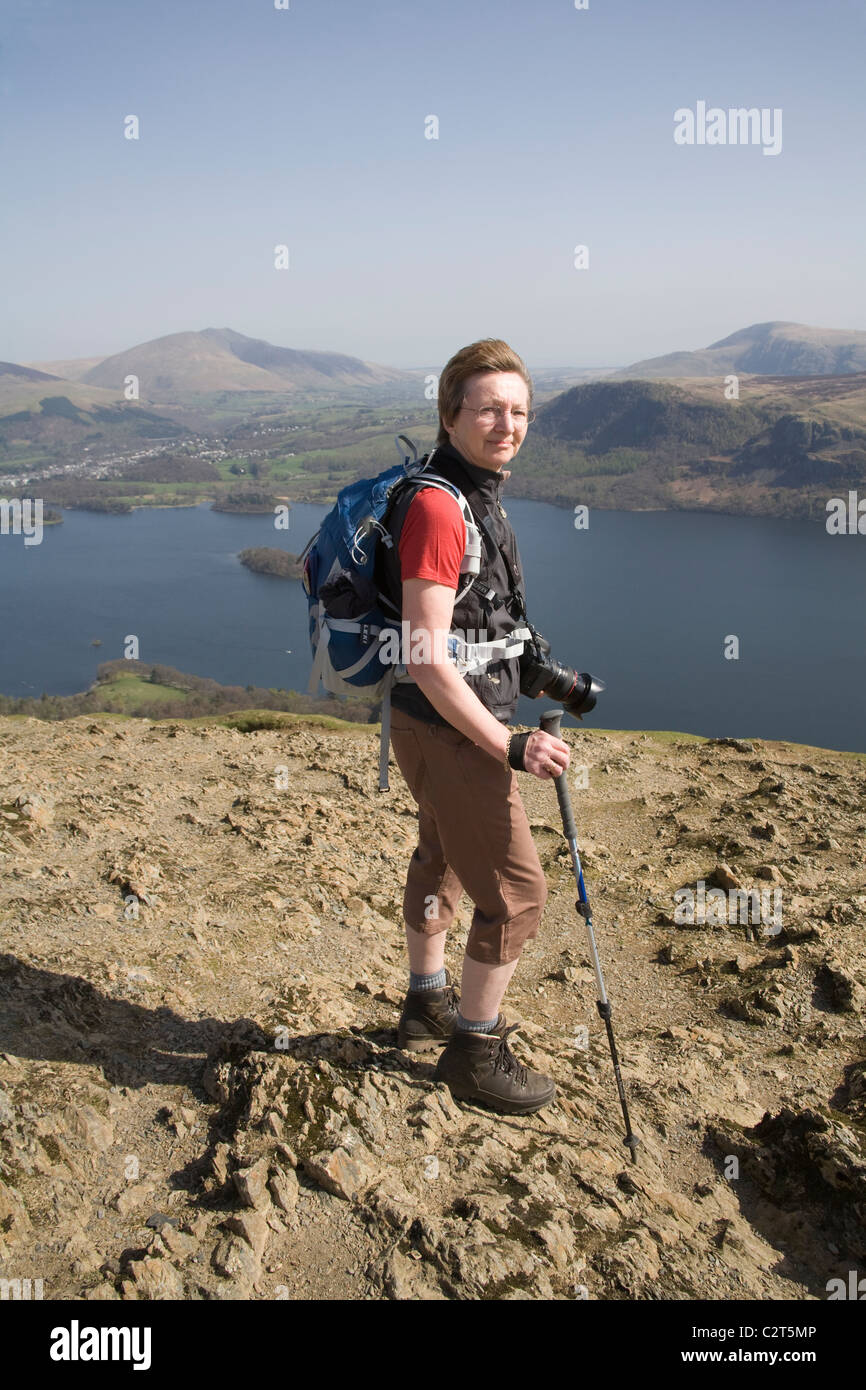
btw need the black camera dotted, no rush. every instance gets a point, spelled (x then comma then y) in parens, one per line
(540, 673)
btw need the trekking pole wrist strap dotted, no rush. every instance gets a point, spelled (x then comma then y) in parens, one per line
(515, 750)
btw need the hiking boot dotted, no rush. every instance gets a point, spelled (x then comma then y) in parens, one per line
(429, 1017)
(482, 1068)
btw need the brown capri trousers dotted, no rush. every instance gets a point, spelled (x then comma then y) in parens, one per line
(473, 834)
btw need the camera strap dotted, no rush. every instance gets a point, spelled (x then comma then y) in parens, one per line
(516, 594)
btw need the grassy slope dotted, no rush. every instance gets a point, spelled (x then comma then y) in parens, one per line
(248, 720)
(128, 691)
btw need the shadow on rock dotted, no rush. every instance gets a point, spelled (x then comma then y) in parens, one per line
(800, 1179)
(54, 1017)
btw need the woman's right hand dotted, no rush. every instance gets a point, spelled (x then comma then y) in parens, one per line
(544, 756)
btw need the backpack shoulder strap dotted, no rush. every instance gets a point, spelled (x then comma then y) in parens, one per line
(423, 477)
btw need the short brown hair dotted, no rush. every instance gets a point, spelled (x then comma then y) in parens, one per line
(487, 355)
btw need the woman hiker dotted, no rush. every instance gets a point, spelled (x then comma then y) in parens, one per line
(452, 743)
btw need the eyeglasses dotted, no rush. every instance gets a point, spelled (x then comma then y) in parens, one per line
(492, 414)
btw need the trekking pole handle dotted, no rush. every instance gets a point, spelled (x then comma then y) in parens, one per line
(549, 723)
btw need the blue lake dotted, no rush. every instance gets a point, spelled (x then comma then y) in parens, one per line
(644, 600)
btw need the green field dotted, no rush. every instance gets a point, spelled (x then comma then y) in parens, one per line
(126, 692)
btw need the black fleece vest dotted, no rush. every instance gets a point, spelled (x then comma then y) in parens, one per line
(498, 685)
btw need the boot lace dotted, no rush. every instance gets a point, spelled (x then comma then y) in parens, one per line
(505, 1060)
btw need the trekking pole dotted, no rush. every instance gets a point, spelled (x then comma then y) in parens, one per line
(549, 722)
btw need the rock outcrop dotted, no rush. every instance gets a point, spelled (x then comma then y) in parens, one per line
(201, 1094)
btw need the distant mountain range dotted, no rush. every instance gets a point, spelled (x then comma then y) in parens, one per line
(179, 365)
(184, 367)
(793, 434)
(764, 349)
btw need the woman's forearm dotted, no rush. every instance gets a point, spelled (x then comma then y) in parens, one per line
(451, 697)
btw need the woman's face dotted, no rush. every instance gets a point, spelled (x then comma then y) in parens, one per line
(482, 436)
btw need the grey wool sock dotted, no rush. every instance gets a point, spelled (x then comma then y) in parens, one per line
(469, 1025)
(421, 984)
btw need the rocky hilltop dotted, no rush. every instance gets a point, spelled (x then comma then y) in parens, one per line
(201, 1096)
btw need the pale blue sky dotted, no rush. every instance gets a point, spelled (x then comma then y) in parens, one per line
(306, 126)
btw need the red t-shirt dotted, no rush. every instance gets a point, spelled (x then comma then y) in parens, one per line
(432, 538)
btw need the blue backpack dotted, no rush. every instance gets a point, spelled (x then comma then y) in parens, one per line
(350, 618)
